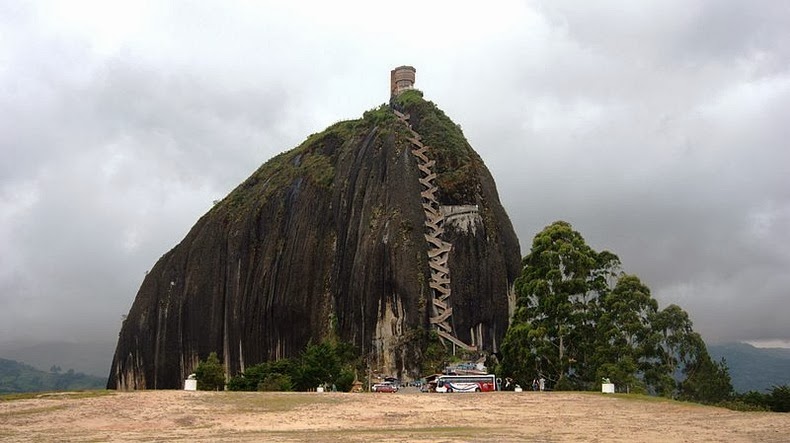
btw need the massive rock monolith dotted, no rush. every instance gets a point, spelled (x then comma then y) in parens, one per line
(337, 237)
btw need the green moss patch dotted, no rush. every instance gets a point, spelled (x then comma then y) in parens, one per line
(457, 164)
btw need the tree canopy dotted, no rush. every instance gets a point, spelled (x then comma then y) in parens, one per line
(579, 319)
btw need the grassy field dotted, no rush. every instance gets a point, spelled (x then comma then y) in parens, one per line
(403, 416)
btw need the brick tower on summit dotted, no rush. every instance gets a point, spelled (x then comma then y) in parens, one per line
(402, 79)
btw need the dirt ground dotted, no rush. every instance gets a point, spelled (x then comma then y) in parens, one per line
(404, 416)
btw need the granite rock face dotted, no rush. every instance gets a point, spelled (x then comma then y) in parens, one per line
(329, 239)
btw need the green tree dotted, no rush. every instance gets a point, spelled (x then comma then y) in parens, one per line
(330, 362)
(269, 376)
(247, 380)
(578, 319)
(319, 364)
(706, 381)
(210, 374)
(434, 354)
(679, 349)
(779, 399)
(557, 306)
(520, 359)
(674, 347)
(624, 348)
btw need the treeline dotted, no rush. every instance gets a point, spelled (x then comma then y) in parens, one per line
(330, 363)
(16, 377)
(778, 400)
(579, 319)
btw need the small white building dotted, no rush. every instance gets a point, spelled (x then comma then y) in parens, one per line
(190, 384)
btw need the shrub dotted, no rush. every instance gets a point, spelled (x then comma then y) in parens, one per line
(210, 374)
(753, 398)
(326, 363)
(249, 379)
(564, 384)
(276, 382)
(739, 405)
(270, 375)
(345, 380)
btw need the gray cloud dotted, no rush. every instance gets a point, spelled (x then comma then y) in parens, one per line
(657, 130)
(673, 159)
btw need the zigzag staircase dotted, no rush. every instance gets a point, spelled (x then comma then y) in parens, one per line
(439, 250)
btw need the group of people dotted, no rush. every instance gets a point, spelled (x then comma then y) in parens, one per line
(538, 384)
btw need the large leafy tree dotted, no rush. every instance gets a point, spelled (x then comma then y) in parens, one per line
(706, 381)
(683, 350)
(624, 341)
(328, 362)
(557, 305)
(578, 319)
(676, 347)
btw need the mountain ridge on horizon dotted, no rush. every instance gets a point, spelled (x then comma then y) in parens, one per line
(87, 357)
(752, 368)
(17, 377)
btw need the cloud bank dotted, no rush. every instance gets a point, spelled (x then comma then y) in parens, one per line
(658, 130)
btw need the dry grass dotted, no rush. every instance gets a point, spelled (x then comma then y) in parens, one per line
(55, 395)
(405, 416)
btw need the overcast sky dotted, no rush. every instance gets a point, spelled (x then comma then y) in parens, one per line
(658, 129)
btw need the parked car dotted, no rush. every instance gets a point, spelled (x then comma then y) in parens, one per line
(392, 380)
(384, 387)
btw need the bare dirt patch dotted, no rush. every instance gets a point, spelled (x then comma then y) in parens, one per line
(404, 416)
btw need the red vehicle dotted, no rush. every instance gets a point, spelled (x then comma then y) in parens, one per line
(384, 387)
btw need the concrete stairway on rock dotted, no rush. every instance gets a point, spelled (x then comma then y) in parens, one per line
(439, 250)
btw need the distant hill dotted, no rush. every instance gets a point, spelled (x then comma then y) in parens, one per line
(754, 369)
(19, 377)
(92, 358)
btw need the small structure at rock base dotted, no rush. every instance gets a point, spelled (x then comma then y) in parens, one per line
(190, 384)
(357, 386)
